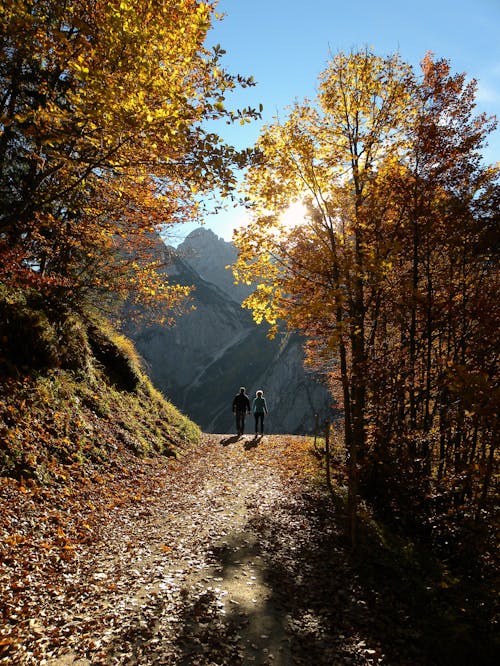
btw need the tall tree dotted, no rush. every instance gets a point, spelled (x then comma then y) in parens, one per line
(102, 119)
(389, 168)
(328, 156)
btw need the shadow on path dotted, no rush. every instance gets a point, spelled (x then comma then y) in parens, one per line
(283, 591)
(230, 440)
(254, 568)
(286, 591)
(252, 443)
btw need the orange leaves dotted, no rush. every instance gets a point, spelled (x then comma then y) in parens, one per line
(112, 139)
(15, 539)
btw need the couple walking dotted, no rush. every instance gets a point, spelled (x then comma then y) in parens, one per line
(241, 407)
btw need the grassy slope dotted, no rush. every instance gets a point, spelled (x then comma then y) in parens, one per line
(75, 407)
(73, 392)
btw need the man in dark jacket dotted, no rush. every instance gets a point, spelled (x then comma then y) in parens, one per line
(241, 407)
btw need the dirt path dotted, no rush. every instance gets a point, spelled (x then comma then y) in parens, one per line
(231, 559)
(200, 591)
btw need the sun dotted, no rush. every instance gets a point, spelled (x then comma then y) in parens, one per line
(294, 216)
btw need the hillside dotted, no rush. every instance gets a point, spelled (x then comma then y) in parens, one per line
(64, 377)
(81, 427)
(76, 412)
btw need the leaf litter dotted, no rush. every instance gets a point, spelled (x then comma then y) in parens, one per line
(230, 556)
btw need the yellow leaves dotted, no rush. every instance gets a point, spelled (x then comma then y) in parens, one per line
(327, 155)
(262, 303)
(81, 69)
(125, 88)
(21, 117)
(15, 539)
(7, 643)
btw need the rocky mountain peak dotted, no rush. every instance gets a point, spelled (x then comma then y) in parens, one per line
(210, 257)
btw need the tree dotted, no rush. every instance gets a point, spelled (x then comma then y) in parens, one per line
(328, 155)
(389, 168)
(102, 114)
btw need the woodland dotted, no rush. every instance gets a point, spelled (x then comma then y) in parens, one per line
(378, 536)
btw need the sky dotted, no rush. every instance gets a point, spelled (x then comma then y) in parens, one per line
(285, 44)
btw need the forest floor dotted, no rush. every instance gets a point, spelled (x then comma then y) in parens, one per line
(230, 556)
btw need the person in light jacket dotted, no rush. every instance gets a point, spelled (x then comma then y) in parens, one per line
(259, 408)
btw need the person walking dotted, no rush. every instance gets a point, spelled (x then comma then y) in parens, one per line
(241, 407)
(259, 408)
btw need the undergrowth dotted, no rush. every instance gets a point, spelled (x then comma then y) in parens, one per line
(451, 602)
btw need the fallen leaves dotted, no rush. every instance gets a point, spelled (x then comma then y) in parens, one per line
(115, 553)
(232, 557)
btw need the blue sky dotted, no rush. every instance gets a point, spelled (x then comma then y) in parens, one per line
(285, 44)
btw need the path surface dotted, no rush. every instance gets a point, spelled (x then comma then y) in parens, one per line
(232, 559)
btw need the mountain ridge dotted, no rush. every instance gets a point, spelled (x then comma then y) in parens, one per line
(201, 362)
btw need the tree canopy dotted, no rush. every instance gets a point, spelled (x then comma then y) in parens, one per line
(103, 110)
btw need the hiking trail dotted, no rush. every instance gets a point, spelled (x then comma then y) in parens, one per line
(233, 557)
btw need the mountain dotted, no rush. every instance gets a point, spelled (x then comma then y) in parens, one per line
(210, 257)
(201, 362)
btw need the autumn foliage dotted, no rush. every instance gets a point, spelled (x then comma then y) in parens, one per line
(103, 107)
(391, 277)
